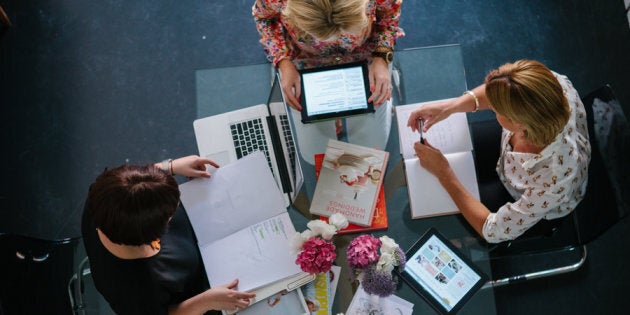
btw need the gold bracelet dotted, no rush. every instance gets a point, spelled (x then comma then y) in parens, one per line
(471, 93)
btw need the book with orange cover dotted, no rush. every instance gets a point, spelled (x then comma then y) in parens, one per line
(349, 181)
(379, 222)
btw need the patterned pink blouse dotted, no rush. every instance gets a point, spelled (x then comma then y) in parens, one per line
(547, 185)
(281, 38)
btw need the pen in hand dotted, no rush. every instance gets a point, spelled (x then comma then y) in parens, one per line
(420, 130)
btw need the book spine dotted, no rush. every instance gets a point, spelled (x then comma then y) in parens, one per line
(322, 293)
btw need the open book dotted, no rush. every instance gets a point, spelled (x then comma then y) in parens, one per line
(427, 197)
(239, 234)
(349, 181)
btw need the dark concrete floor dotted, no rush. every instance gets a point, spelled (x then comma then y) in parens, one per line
(89, 84)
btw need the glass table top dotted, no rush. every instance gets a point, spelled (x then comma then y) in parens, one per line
(425, 74)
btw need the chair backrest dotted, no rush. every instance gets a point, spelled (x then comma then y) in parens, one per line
(34, 273)
(606, 200)
(76, 287)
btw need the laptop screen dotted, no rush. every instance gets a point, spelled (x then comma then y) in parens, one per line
(336, 91)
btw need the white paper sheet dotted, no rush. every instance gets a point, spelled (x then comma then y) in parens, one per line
(449, 135)
(241, 224)
(362, 303)
(427, 197)
(257, 255)
(220, 206)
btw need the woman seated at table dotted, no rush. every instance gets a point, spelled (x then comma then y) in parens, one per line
(142, 250)
(545, 149)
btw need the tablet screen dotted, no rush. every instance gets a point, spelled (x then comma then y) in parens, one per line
(336, 91)
(438, 272)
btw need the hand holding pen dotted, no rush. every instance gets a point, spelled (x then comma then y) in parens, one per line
(420, 130)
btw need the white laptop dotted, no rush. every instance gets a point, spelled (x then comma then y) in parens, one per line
(227, 137)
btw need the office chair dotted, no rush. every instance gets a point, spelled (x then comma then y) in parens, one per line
(82, 293)
(76, 287)
(33, 274)
(5, 23)
(605, 203)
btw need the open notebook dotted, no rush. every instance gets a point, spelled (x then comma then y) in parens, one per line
(427, 197)
(241, 235)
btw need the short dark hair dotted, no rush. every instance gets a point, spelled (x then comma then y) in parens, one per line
(132, 204)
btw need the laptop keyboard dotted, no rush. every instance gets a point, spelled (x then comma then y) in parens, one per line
(248, 137)
(288, 139)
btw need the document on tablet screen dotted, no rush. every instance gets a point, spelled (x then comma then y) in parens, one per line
(334, 90)
(441, 272)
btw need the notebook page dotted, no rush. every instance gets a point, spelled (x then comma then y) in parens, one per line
(427, 197)
(257, 255)
(449, 135)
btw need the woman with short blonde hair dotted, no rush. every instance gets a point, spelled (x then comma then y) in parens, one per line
(544, 149)
(528, 92)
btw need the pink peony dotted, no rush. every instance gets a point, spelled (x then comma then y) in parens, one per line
(362, 251)
(317, 255)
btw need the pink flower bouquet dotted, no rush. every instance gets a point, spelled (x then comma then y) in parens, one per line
(314, 247)
(374, 271)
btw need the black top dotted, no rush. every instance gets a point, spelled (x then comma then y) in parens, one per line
(148, 285)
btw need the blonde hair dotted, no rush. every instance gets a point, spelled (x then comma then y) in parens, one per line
(323, 19)
(528, 93)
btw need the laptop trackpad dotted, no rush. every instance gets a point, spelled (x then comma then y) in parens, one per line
(222, 158)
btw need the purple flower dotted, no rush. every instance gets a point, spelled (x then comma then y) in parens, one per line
(402, 257)
(378, 282)
(374, 272)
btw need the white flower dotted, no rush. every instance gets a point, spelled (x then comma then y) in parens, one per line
(307, 234)
(298, 239)
(296, 242)
(386, 262)
(322, 228)
(388, 245)
(338, 220)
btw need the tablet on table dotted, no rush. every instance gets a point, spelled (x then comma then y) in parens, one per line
(335, 91)
(439, 273)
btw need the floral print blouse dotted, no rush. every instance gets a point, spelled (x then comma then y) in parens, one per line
(547, 185)
(282, 39)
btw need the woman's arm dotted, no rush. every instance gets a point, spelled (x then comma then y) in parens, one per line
(189, 166)
(435, 112)
(223, 297)
(267, 16)
(472, 209)
(384, 32)
(385, 29)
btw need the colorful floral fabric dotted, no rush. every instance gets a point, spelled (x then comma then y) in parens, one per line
(547, 185)
(282, 39)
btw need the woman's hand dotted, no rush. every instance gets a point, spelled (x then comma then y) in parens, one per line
(290, 83)
(225, 297)
(192, 166)
(380, 82)
(430, 114)
(433, 160)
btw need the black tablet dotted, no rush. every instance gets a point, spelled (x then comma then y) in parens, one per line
(335, 91)
(437, 271)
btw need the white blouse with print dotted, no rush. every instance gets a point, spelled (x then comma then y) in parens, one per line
(547, 185)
